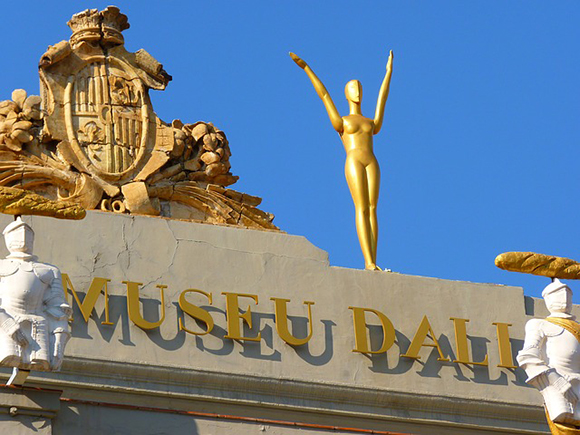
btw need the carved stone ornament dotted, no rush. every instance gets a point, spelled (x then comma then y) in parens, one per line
(551, 359)
(34, 314)
(93, 138)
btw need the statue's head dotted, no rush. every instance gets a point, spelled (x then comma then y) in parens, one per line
(558, 298)
(19, 237)
(353, 91)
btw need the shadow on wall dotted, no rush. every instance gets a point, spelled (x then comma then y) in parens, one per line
(80, 418)
(262, 350)
(392, 362)
(315, 352)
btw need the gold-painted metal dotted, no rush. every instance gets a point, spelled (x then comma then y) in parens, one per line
(539, 264)
(98, 286)
(361, 167)
(568, 324)
(233, 316)
(133, 306)
(461, 343)
(195, 312)
(418, 341)
(561, 428)
(361, 342)
(281, 316)
(16, 201)
(506, 359)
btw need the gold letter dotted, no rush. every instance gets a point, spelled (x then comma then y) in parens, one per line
(506, 358)
(461, 343)
(97, 286)
(133, 306)
(281, 315)
(418, 341)
(195, 312)
(233, 316)
(361, 343)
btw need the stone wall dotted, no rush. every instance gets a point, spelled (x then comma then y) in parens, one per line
(120, 378)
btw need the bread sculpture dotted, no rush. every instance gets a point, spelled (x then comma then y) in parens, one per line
(539, 264)
(17, 201)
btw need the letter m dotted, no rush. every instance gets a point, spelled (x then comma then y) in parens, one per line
(98, 286)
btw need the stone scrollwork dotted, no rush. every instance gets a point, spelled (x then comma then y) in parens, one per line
(93, 138)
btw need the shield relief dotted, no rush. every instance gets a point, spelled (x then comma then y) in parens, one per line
(107, 117)
(92, 136)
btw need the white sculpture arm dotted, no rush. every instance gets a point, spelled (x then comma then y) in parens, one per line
(556, 389)
(54, 301)
(60, 340)
(59, 311)
(532, 357)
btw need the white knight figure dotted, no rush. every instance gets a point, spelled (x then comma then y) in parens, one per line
(34, 314)
(551, 359)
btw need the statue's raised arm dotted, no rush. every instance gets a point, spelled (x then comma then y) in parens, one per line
(333, 114)
(383, 95)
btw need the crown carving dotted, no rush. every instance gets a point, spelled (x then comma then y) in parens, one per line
(114, 22)
(96, 87)
(92, 26)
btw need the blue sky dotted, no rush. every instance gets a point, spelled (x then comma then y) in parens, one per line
(480, 146)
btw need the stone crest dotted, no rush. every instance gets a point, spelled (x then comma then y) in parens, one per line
(93, 138)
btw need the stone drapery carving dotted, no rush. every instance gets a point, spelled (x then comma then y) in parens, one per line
(34, 314)
(92, 136)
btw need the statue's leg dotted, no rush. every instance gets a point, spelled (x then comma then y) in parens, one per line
(18, 377)
(356, 178)
(373, 181)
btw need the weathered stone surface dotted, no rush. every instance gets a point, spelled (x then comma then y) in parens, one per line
(19, 96)
(321, 382)
(90, 166)
(28, 411)
(137, 199)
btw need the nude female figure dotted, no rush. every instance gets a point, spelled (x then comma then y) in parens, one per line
(361, 167)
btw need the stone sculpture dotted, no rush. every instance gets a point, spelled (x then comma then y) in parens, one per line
(551, 352)
(93, 138)
(551, 359)
(361, 166)
(34, 314)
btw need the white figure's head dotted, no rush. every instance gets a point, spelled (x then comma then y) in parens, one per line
(19, 237)
(558, 298)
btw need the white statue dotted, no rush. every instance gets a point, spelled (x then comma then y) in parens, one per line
(34, 314)
(551, 358)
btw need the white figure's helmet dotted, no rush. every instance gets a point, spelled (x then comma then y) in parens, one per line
(558, 297)
(19, 236)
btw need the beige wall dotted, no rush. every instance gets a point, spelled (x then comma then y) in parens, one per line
(323, 382)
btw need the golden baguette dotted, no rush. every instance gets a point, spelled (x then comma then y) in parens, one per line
(18, 201)
(539, 264)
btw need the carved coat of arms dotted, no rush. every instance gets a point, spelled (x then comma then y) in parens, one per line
(92, 136)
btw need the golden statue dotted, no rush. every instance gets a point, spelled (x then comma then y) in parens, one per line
(361, 167)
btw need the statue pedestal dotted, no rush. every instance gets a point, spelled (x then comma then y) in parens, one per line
(26, 410)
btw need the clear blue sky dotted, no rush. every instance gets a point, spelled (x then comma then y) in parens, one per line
(480, 147)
